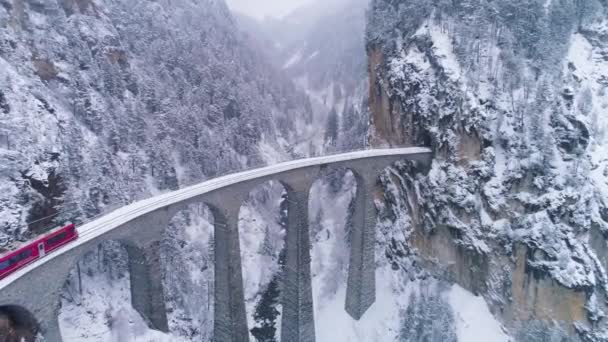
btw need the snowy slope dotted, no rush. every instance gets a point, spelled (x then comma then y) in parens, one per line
(511, 96)
(103, 102)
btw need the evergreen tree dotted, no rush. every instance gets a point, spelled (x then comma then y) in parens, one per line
(349, 118)
(428, 318)
(331, 128)
(266, 313)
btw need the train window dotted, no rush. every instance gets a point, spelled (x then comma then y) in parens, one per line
(4, 264)
(56, 239)
(25, 254)
(21, 256)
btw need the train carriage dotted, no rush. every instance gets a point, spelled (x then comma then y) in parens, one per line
(36, 249)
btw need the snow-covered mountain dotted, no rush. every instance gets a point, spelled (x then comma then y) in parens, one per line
(512, 97)
(106, 101)
(502, 239)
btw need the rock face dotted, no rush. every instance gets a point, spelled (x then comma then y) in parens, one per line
(510, 95)
(103, 102)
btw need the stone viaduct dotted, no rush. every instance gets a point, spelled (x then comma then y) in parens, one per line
(32, 295)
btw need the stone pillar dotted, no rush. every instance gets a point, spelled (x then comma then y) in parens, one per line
(51, 331)
(146, 284)
(297, 324)
(230, 323)
(361, 285)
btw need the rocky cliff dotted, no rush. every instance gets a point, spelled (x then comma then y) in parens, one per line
(511, 96)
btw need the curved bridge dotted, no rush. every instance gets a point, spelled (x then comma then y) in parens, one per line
(36, 288)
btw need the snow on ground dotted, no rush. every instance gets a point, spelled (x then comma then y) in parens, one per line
(103, 313)
(329, 238)
(330, 258)
(414, 56)
(129, 327)
(270, 153)
(88, 316)
(444, 49)
(313, 55)
(293, 60)
(581, 54)
(591, 69)
(383, 322)
(379, 324)
(474, 321)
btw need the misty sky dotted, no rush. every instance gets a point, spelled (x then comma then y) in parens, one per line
(262, 8)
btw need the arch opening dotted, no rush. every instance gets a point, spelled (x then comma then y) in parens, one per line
(96, 299)
(262, 234)
(188, 267)
(113, 291)
(17, 324)
(330, 210)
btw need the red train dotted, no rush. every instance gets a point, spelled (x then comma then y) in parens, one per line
(12, 261)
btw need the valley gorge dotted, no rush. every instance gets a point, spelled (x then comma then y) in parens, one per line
(502, 238)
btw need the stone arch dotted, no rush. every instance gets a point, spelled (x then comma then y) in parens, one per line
(332, 194)
(17, 324)
(133, 248)
(142, 258)
(359, 227)
(264, 203)
(343, 236)
(103, 272)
